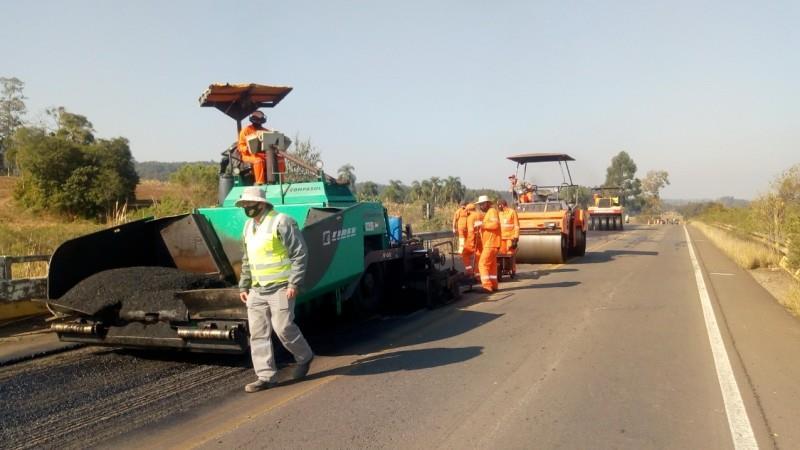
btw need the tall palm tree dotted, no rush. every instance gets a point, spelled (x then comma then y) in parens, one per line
(347, 175)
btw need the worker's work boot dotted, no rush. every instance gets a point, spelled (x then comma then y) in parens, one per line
(258, 385)
(301, 370)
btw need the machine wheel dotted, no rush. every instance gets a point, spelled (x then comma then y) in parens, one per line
(370, 291)
(564, 250)
(591, 223)
(580, 243)
(621, 222)
(613, 223)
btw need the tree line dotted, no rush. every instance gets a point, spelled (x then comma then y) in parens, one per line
(62, 166)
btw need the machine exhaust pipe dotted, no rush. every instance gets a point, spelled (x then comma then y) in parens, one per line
(76, 328)
(208, 334)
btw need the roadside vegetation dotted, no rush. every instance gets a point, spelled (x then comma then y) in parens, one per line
(751, 234)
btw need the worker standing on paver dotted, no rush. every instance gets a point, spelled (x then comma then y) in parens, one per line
(490, 243)
(471, 251)
(509, 227)
(257, 160)
(274, 261)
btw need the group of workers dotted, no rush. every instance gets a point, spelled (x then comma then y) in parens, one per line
(484, 231)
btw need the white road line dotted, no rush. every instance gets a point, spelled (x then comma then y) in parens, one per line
(739, 423)
(721, 273)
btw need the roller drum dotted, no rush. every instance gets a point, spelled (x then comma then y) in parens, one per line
(538, 249)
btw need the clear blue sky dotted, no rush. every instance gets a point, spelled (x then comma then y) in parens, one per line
(708, 91)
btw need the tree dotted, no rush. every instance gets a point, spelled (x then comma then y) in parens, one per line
(12, 108)
(652, 183)
(347, 175)
(69, 172)
(453, 191)
(309, 153)
(622, 173)
(72, 127)
(368, 191)
(395, 192)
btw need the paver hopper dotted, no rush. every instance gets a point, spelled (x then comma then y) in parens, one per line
(551, 225)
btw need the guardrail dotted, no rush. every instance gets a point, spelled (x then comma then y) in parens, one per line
(15, 290)
(778, 247)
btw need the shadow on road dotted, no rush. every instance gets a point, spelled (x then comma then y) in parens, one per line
(609, 255)
(403, 360)
(560, 284)
(533, 274)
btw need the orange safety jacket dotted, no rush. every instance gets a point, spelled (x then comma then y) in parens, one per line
(509, 223)
(490, 230)
(254, 158)
(457, 216)
(461, 223)
(473, 242)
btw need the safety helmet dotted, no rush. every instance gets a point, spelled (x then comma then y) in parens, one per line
(258, 117)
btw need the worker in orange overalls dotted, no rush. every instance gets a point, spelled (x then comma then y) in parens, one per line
(509, 231)
(457, 215)
(472, 241)
(258, 160)
(490, 244)
(527, 193)
(460, 226)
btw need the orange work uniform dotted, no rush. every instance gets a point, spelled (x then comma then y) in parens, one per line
(509, 231)
(472, 242)
(258, 160)
(460, 227)
(490, 241)
(526, 197)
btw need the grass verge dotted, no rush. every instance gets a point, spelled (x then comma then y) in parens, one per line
(747, 254)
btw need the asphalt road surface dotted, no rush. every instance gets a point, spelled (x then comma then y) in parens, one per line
(632, 346)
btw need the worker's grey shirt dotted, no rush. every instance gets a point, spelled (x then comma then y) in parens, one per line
(292, 239)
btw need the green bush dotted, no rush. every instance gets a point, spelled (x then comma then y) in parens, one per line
(71, 173)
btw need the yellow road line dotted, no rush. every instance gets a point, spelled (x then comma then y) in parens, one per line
(251, 414)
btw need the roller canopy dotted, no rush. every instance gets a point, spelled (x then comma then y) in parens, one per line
(239, 100)
(525, 158)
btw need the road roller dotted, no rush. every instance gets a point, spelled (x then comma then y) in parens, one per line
(552, 227)
(171, 282)
(606, 212)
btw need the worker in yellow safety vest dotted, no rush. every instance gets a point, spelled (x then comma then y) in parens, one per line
(509, 231)
(274, 261)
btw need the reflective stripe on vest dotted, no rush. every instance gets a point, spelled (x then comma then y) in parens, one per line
(268, 258)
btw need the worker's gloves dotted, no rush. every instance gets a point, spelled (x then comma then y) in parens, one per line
(478, 223)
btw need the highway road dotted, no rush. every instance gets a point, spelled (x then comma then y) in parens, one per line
(641, 343)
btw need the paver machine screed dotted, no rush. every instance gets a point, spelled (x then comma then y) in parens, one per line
(606, 212)
(552, 227)
(170, 282)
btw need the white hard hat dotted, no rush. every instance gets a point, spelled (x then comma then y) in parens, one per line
(483, 199)
(252, 194)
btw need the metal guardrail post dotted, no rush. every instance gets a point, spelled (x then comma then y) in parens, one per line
(5, 268)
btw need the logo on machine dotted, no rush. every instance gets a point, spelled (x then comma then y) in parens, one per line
(329, 236)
